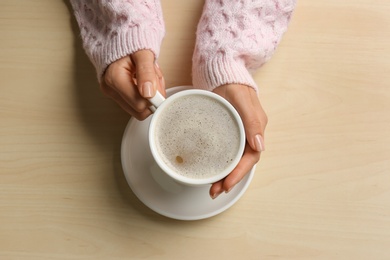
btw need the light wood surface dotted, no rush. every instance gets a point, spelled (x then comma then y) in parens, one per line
(321, 190)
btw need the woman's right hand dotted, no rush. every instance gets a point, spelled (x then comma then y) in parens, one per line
(131, 80)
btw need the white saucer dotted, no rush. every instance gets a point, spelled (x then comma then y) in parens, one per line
(159, 192)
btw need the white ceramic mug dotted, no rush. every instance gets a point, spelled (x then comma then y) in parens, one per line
(162, 105)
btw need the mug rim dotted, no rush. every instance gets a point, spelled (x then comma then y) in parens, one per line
(181, 178)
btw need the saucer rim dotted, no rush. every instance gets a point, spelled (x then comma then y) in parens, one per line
(248, 179)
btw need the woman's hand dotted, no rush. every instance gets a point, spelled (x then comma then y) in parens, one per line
(131, 80)
(247, 104)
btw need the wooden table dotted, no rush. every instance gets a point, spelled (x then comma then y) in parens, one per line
(321, 190)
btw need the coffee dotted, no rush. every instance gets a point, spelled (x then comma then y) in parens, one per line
(197, 136)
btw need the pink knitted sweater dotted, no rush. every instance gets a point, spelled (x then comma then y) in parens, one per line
(234, 37)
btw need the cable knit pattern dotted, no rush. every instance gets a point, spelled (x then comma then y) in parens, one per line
(112, 29)
(236, 37)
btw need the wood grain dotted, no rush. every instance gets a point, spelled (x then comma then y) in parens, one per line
(321, 190)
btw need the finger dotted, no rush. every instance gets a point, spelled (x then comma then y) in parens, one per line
(216, 189)
(260, 110)
(130, 94)
(111, 93)
(140, 115)
(248, 160)
(147, 80)
(253, 117)
(161, 85)
(119, 79)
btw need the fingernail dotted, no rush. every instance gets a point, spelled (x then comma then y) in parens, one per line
(259, 143)
(228, 190)
(147, 89)
(215, 195)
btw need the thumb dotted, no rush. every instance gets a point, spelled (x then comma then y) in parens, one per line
(253, 118)
(254, 131)
(145, 73)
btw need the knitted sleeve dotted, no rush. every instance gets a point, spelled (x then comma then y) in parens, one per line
(112, 29)
(235, 38)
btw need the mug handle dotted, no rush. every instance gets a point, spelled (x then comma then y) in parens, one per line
(156, 101)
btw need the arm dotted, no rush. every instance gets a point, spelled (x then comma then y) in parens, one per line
(236, 37)
(233, 39)
(122, 40)
(111, 30)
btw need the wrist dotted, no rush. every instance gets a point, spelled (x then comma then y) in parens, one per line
(220, 70)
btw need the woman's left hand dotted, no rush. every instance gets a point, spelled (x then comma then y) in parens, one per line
(247, 104)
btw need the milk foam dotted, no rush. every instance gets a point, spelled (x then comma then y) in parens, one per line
(197, 136)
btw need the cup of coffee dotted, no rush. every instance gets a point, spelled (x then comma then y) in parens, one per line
(196, 136)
